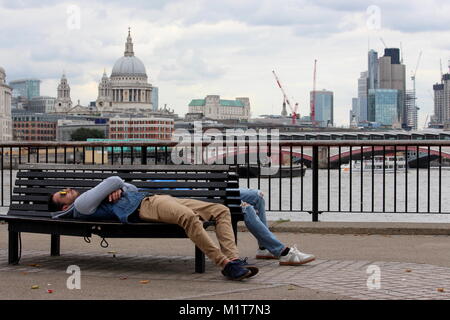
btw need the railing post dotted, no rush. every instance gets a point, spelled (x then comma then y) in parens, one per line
(144, 155)
(315, 184)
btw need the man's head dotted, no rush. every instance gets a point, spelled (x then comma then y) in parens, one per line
(62, 200)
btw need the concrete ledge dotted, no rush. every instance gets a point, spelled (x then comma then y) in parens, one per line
(381, 228)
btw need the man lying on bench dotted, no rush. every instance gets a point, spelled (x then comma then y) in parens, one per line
(113, 199)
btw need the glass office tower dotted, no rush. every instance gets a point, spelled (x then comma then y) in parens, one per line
(323, 107)
(26, 88)
(384, 106)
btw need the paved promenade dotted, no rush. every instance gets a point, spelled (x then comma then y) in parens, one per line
(354, 261)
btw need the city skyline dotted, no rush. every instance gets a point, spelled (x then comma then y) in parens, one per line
(195, 48)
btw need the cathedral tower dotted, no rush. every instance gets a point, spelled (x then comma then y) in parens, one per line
(63, 102)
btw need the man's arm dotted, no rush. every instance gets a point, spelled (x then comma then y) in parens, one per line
(88, 202)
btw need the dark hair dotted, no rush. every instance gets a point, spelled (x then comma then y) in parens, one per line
(52, 205)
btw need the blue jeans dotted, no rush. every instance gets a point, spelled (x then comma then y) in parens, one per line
(255, 221)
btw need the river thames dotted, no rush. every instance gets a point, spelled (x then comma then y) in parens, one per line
(296, 197)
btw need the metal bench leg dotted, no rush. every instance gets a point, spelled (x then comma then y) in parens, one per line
(199, 260)
(234, 224)
(55, 245)
(13, 248)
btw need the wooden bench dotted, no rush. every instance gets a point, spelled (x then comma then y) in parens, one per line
(28, 211)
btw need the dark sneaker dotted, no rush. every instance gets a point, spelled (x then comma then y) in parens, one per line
(244, 264)
(234, 271)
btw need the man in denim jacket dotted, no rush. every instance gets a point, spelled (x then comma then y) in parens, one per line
(113, 199)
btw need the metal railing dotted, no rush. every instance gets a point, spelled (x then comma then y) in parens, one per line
(376, 176)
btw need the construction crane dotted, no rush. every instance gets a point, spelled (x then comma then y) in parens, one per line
(383, 42)
(293, 109)
(413, 76)
(313, 100)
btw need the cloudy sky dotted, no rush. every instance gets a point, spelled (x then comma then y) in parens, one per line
(192, 48)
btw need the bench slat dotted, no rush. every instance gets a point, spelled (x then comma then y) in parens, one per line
(139, 184)
(179, 193)
(132, 168)
(36, 198)
(32, 212)
(133, 176)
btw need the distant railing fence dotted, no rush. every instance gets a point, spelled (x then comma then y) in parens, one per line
(373, 176)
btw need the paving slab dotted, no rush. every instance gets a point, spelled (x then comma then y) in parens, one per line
(348, 266)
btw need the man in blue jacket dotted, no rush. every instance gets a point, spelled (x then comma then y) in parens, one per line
(113, 199)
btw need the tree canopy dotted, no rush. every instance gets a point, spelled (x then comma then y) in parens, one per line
(82, 134)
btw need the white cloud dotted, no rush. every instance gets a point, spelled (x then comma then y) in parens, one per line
(192, 48)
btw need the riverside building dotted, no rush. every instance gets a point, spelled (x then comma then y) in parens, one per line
(214, 108)
(5, 108)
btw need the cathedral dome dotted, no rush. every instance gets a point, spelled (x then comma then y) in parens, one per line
(129, 66)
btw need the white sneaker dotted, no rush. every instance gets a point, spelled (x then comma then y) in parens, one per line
(295, 258)
(264, 254)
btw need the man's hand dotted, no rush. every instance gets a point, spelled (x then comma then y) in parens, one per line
(114, 196)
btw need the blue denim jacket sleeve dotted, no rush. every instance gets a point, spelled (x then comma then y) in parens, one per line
(88, 202)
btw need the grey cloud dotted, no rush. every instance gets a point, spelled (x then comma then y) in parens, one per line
(190, 67)
(138, 4)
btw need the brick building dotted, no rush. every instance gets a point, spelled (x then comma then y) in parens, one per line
(141, 128)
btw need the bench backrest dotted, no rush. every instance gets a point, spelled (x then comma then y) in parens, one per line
(35, 182)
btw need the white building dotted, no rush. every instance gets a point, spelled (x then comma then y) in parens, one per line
(42, 104)
(63, 102)
(5, 108)
(212, 107)
(127, 89)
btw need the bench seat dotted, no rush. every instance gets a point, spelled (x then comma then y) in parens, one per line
(28, 211)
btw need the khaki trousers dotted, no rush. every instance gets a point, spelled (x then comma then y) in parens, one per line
(189, 214)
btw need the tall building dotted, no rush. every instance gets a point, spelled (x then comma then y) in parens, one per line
(410, 104)
(323, 107)
(442, 100)
(63, 102)
(5, 108)
(383, 106)
(26, 88)
(127, 89)
(214, 108)
(23, 91)
(362, 97)
(439, 104)
(392, 75)
(372, 81)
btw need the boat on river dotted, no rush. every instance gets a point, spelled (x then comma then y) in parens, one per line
(379, 164)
